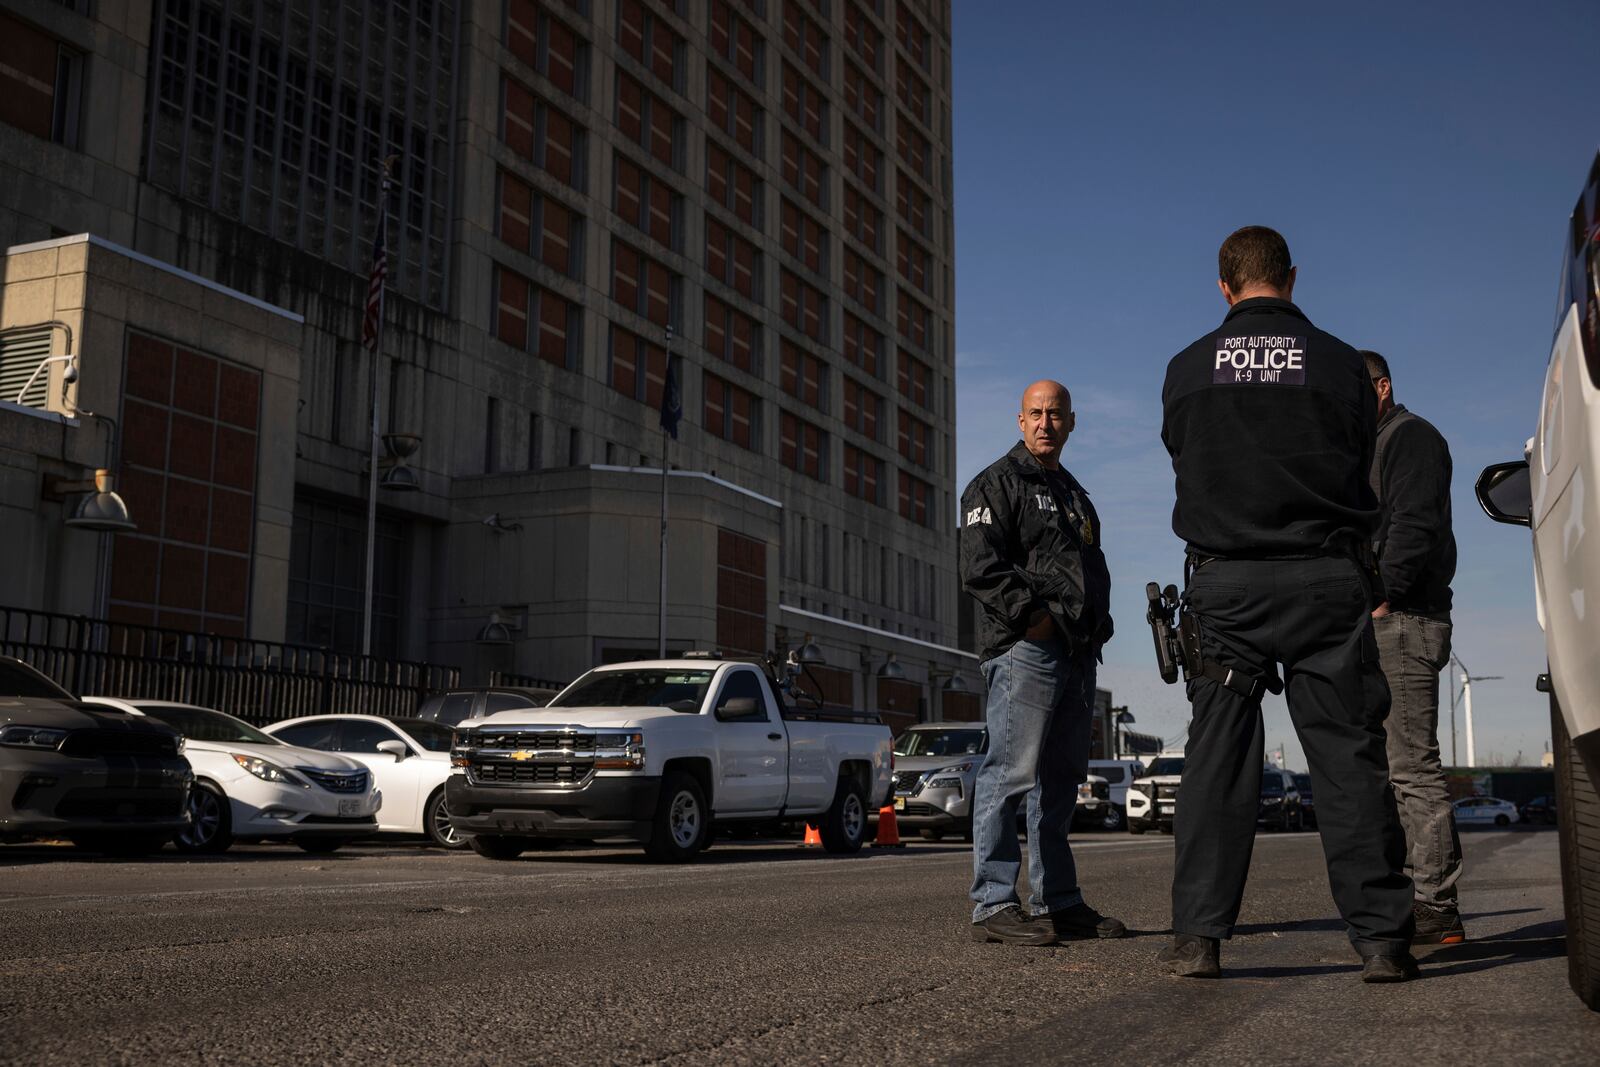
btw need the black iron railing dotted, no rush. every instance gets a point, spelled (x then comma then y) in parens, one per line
(260, 681)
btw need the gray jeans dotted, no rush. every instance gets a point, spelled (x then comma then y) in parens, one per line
(1413, 649)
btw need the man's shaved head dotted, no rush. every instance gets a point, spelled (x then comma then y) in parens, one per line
(1046, 419)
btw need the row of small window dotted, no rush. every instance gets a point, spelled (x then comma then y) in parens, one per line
(854, 566)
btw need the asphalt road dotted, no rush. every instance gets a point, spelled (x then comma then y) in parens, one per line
(759, 953)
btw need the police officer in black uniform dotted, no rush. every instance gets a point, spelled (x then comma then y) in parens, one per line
(1271, 426)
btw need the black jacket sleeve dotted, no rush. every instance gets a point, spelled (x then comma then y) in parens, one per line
(987, 546)
(1416, 490)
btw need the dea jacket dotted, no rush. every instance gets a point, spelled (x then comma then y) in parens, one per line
(1024, 547)
(1271, 424)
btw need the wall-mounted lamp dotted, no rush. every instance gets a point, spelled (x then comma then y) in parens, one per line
(808, 652)
(101, 509)
(891, 668)
(397, 474)
(955, 683)
(494, 632)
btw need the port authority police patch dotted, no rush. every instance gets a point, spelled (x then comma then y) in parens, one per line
(1247, 360)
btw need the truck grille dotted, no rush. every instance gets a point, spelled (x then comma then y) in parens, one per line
(906, 781)
(120, 743)
(504, 772)
(337, 781)
(581, 744)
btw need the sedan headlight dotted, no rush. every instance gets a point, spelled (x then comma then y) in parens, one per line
(266, 770)
(619, 752)
(20, 735)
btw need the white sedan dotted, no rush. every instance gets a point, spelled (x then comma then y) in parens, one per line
(251, 786)
(410, 758)
(1486, 811)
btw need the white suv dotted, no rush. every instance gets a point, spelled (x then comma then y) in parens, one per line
(1548, 490)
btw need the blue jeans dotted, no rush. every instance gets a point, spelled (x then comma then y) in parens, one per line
(1041, 707)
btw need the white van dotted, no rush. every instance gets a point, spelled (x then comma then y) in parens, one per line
(1549, 490)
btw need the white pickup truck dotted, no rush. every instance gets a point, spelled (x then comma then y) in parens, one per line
(659, 751)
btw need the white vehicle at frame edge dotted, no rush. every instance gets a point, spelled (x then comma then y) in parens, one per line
(1550, 491)
(251, 786)
(1153, 797)
(661, 751)
(409, 760)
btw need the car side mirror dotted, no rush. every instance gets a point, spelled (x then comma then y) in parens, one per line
(397, 749)
(1505, 493)
(737, 708)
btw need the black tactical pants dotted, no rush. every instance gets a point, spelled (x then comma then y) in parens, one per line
(1312, 616)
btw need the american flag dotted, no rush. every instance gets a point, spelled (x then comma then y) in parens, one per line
(372, 322)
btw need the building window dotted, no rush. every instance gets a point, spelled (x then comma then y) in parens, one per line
(733, 111)
(914, 494)
(862, 158)
(863, 346)
(732, 260)
(648, 39)
(912, 91)
(732, 336)
(863, 409)
(41, 83)
(914, 379)
(645, 119)
(549, 46)
(491, 436)
(525, 314)
(803, 237)
(803, 306)
(543, 228)
(638, 367)
(642, 285)
(863, 98)
(803, 375)
(861, 36)
(733, 185)
(863, 282)
(914, 205)
(805, 104)
(730, 412)
(863, 474)
(805, 38)
(736, 40)
(862, 219)
(803, 447)
(741, 593)
(912, 37)
(535, 442)
(648, 203)
(914, 321)
(327, 575)
(915, 151)
(914, 439)
(916, 262)
(546, 137)
(804, 171)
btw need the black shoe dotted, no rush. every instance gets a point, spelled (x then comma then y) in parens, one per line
(1081, 921)
(1190, 956)
(1010, 927)
(1437, 926)
(1389, 968)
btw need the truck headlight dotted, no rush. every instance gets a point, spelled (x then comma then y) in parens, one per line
(619, 752)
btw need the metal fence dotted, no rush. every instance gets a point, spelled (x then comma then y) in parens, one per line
(523, 681)
(260, 681)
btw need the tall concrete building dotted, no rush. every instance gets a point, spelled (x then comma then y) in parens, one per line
(759, 190)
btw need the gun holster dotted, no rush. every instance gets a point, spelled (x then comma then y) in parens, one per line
(1183, 648)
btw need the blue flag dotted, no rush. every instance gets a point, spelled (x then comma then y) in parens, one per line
(671, 400)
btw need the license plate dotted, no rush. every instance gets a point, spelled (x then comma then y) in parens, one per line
(1168, 807)
(351, 807)
(899, 803)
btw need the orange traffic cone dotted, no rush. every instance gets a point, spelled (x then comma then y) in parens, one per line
(888, 829)
(813, 836)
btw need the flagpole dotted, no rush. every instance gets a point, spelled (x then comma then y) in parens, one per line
(372, 390)
(661, 610)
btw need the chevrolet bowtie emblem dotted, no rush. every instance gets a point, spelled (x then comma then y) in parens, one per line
(521, 755)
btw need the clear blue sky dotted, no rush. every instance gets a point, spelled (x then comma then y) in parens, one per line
(1421, 159)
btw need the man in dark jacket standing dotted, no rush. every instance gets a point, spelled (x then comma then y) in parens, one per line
(1271, 424)
(1030, 554)
(1416, 553)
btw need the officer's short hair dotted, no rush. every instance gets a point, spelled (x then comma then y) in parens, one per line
(1254, 255)
(1377, 366)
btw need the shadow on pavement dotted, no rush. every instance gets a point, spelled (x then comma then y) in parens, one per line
(1336, 924)
(1541, 941)
(731, 854)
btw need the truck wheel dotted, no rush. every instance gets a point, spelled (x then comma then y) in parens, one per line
(436, 823)
(844, 824)
(1579, 829)
(495, 847)
(682, 824)
(210, 821)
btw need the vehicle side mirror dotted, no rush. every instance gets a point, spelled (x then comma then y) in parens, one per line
(397, 749)
(1505, 493)
(738, 708)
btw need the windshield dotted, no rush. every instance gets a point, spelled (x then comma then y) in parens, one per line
(940, 743)
(203, 724)
(1165, 765)
(430, 735)
(1302, 782)
(637, 688)
(1272, 785)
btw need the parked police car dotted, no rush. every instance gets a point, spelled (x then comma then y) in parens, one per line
(1553, 490)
